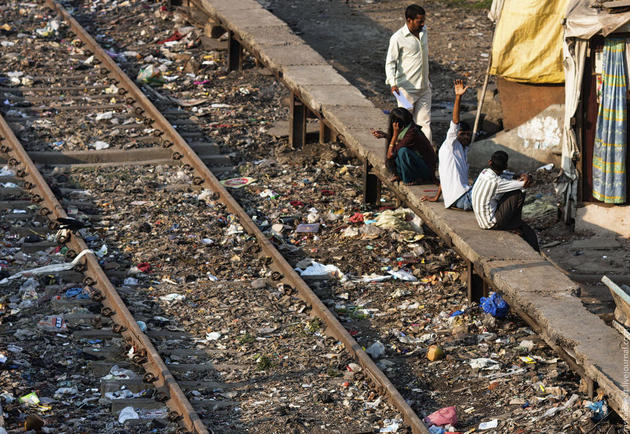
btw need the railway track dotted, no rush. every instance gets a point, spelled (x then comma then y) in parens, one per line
(230, 345)
(44, 103)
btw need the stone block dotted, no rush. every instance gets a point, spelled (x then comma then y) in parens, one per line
(318, 96)
(280, 57)
(312, 75)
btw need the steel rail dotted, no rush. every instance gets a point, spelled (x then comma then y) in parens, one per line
(147, 355)
(121, 315)
(187, 154)
(150, 359)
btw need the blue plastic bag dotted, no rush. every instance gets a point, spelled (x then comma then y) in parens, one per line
(77, 293)
(495, 305)
(600, 410)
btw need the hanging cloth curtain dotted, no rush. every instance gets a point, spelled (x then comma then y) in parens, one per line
(609, 153)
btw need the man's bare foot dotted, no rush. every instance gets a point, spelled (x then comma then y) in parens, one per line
(394, 179)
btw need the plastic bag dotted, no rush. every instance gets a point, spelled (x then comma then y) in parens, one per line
(150, 75)
(495, 305)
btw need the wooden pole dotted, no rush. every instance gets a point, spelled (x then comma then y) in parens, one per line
(483, 96)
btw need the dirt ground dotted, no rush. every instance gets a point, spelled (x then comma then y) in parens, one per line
(354, 35)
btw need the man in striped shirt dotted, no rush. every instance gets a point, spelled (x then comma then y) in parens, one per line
(498, 202)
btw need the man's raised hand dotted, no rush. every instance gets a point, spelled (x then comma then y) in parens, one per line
(458, 86)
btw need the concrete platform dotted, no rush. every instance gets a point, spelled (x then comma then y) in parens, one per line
(545, 297)
(264, 36)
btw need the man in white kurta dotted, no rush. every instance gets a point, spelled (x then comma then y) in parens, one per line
(453, 159)
(407, 66)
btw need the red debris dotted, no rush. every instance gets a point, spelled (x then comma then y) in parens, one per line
(357, 218)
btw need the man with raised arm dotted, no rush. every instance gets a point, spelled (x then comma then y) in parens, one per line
(407, 67)
(453, 163)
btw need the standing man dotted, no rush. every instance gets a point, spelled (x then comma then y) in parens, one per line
(407, 66)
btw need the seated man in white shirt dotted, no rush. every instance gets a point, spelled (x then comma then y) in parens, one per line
(498, 202)
(453, 160)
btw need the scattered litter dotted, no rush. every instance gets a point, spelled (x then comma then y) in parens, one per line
(435, 352)
(30, 399)
(150, 75)
(238, 182)
(54, 268)
(443, 416)
(484, 363)
(127, 413)
(173, 297)
(489, 425)
(53, 323)
(376, 350)
(99, 145)
(310, 228)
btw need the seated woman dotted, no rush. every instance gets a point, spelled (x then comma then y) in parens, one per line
(409, 153)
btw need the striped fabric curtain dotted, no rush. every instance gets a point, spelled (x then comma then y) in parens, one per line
(609, 153)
